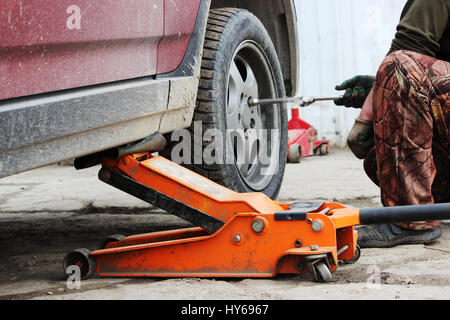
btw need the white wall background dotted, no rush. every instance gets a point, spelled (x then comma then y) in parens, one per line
(340, 39)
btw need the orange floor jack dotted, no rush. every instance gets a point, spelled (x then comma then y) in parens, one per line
(235, 235)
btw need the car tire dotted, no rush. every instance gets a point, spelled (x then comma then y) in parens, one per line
(239, 61)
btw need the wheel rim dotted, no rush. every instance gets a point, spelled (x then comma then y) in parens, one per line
(255, 147)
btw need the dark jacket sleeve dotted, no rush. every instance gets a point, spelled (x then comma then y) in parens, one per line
(421, 27)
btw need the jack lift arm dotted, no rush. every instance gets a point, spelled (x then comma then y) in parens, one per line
(235, 234)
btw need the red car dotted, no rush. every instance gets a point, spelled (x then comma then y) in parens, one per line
(79, 77)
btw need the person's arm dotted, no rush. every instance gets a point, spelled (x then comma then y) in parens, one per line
(367, 108)
(421, 27)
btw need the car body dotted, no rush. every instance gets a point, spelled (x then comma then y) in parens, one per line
(79, 77)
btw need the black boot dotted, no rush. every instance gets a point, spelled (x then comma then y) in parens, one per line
(389, 235)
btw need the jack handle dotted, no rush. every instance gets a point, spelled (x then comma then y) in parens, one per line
(413, 213)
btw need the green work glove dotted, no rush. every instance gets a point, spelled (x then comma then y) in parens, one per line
(361, 138)
(356, 91)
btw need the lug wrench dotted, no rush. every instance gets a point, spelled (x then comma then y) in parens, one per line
(303, 101)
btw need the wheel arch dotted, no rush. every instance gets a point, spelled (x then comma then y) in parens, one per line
(280, 20)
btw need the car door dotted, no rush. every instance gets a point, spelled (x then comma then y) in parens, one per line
(55, 45)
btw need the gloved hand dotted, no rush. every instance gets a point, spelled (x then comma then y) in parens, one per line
(361, 138)
(357, 90)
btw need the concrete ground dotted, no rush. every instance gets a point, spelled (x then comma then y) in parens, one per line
(47, 212)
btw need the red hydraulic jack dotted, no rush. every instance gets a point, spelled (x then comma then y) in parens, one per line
(303, 140)
(235, 234)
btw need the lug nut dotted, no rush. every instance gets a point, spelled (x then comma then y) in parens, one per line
(236, 239)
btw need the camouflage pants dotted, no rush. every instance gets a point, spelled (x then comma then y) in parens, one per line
(410, 161)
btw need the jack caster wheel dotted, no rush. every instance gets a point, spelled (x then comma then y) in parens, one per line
(295, 153)
(82, 259)
(323, 150)
(323, 272)
(356, 256)
(112, 238)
